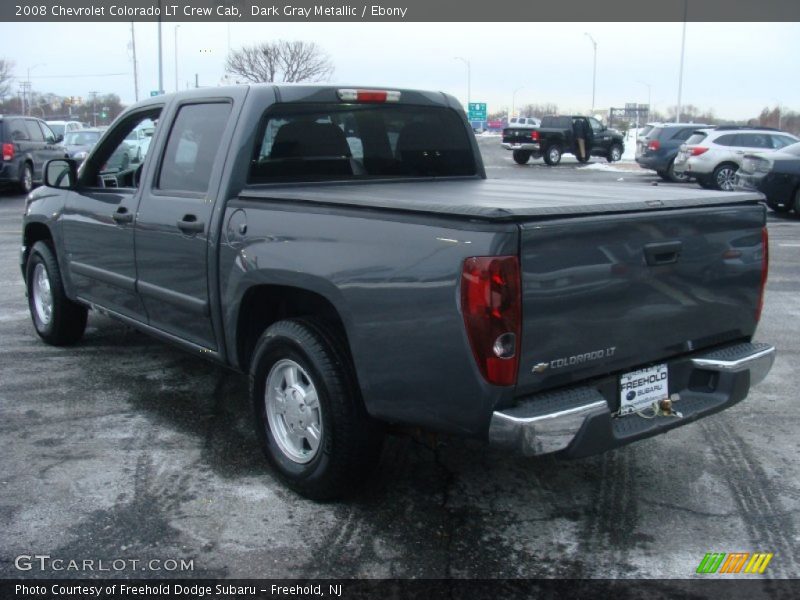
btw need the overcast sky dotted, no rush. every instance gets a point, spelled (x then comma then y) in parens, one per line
(734, 68)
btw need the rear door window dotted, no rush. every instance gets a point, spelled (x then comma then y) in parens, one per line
(754, 140)
(781, 141)
(192, 147)
(16, 130)
(728, 140)
(683, 134)
(318, 142)
(34, 132)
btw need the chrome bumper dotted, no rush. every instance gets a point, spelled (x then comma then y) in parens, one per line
(530, 147)
(549, 422)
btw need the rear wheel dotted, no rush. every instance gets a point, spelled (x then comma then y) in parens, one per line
(521, 157)
(552, 156)
(57, 319)
(671, 175)
(615, 153)
(797, 201)
(783, 209)
(724, 177)
(26, 179)
(309, 414)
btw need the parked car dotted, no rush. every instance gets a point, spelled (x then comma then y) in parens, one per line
(27, 143)
(657, 149)
(396, 284)
(62, 128)
(524, 122)
(138, 141)
(555, 138)
(774, 174)
(712, 156)
(79, 143)
(645, 130)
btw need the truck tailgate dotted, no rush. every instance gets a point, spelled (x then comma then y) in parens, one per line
(610, 293)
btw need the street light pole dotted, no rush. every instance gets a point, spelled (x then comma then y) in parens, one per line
(160, 55)
(176, 58)
(680, 73)
(469, 77)
(135, 66)
(649, 89)
(28, 88)
(513, 100)
(594, 68)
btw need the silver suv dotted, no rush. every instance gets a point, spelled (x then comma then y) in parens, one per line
(712, 156)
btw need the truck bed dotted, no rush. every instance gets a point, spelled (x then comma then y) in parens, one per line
(495, 200)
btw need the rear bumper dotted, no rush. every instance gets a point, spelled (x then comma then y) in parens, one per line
(530, 147)
(579, 422)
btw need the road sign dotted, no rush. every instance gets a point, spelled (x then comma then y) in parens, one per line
(477, 111)
(155, 93)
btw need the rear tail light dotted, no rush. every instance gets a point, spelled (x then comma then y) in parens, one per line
(8, 151)
(491, 302)
(534, 136)
(764, 271)
(698, 150)
(653, 145)
(348, 95)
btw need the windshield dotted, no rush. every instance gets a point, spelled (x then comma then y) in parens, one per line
(81, 138)
(317, 142)
(794, 149)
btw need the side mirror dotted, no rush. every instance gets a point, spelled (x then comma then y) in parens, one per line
(61, 173)
(59, 139)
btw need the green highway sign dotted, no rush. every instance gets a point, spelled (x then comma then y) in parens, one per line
(477, 111)
(155, 93)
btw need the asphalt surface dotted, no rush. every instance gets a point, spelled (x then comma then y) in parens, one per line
(124, 447)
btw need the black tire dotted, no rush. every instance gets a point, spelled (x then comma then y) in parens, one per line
(552, 155)
(521, 157)
(663, 175)
(349, 442)
(614, 153)
(724, 176)
(705, 183)
(782, 209)
(67, 319)
(674, 177)
(796, 203)
(26, 178)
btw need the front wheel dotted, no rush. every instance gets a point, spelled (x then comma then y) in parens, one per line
(615, 153)
(310, 418)
(796, 203)
(552, 156)
(521, 157)
(57, 319)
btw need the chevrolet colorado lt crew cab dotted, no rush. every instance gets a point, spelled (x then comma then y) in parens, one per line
(343, 247)
(556, 137)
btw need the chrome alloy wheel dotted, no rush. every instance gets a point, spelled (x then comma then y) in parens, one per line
(42, 295)
(293, 411)
(725, 178)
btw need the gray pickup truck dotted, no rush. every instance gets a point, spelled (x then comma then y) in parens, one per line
(344, 248)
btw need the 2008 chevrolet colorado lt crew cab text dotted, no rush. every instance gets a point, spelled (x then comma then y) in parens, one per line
(344, 248)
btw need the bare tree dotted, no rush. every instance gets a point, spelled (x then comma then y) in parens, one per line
(280, 60)
(5, 77)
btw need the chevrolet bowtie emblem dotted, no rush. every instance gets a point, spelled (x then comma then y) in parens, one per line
(540, 368)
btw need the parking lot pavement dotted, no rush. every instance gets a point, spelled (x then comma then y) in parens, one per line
(123, 447)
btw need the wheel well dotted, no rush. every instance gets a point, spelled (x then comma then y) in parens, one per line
(727, 163)
(264, 305)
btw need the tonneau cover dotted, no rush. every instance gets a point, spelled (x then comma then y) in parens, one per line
(500, 200)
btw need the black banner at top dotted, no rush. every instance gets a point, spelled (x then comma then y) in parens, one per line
(399, 10)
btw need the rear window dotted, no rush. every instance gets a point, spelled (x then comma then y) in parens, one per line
(696, 138)
(654, 133)
(727, 140)
(315, 142)
(682, 134)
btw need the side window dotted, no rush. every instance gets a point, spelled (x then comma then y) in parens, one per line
(116, 162)
(34, 133)
(17, 131)
(728, 140)
(596, 126)
(49, 136)
(754, 140)
(781, 141)
(192, 147)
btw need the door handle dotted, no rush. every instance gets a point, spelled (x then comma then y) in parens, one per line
(664, 253)
(190, 224)
(122, 215)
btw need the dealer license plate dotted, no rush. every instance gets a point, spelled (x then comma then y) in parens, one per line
(638, 390)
